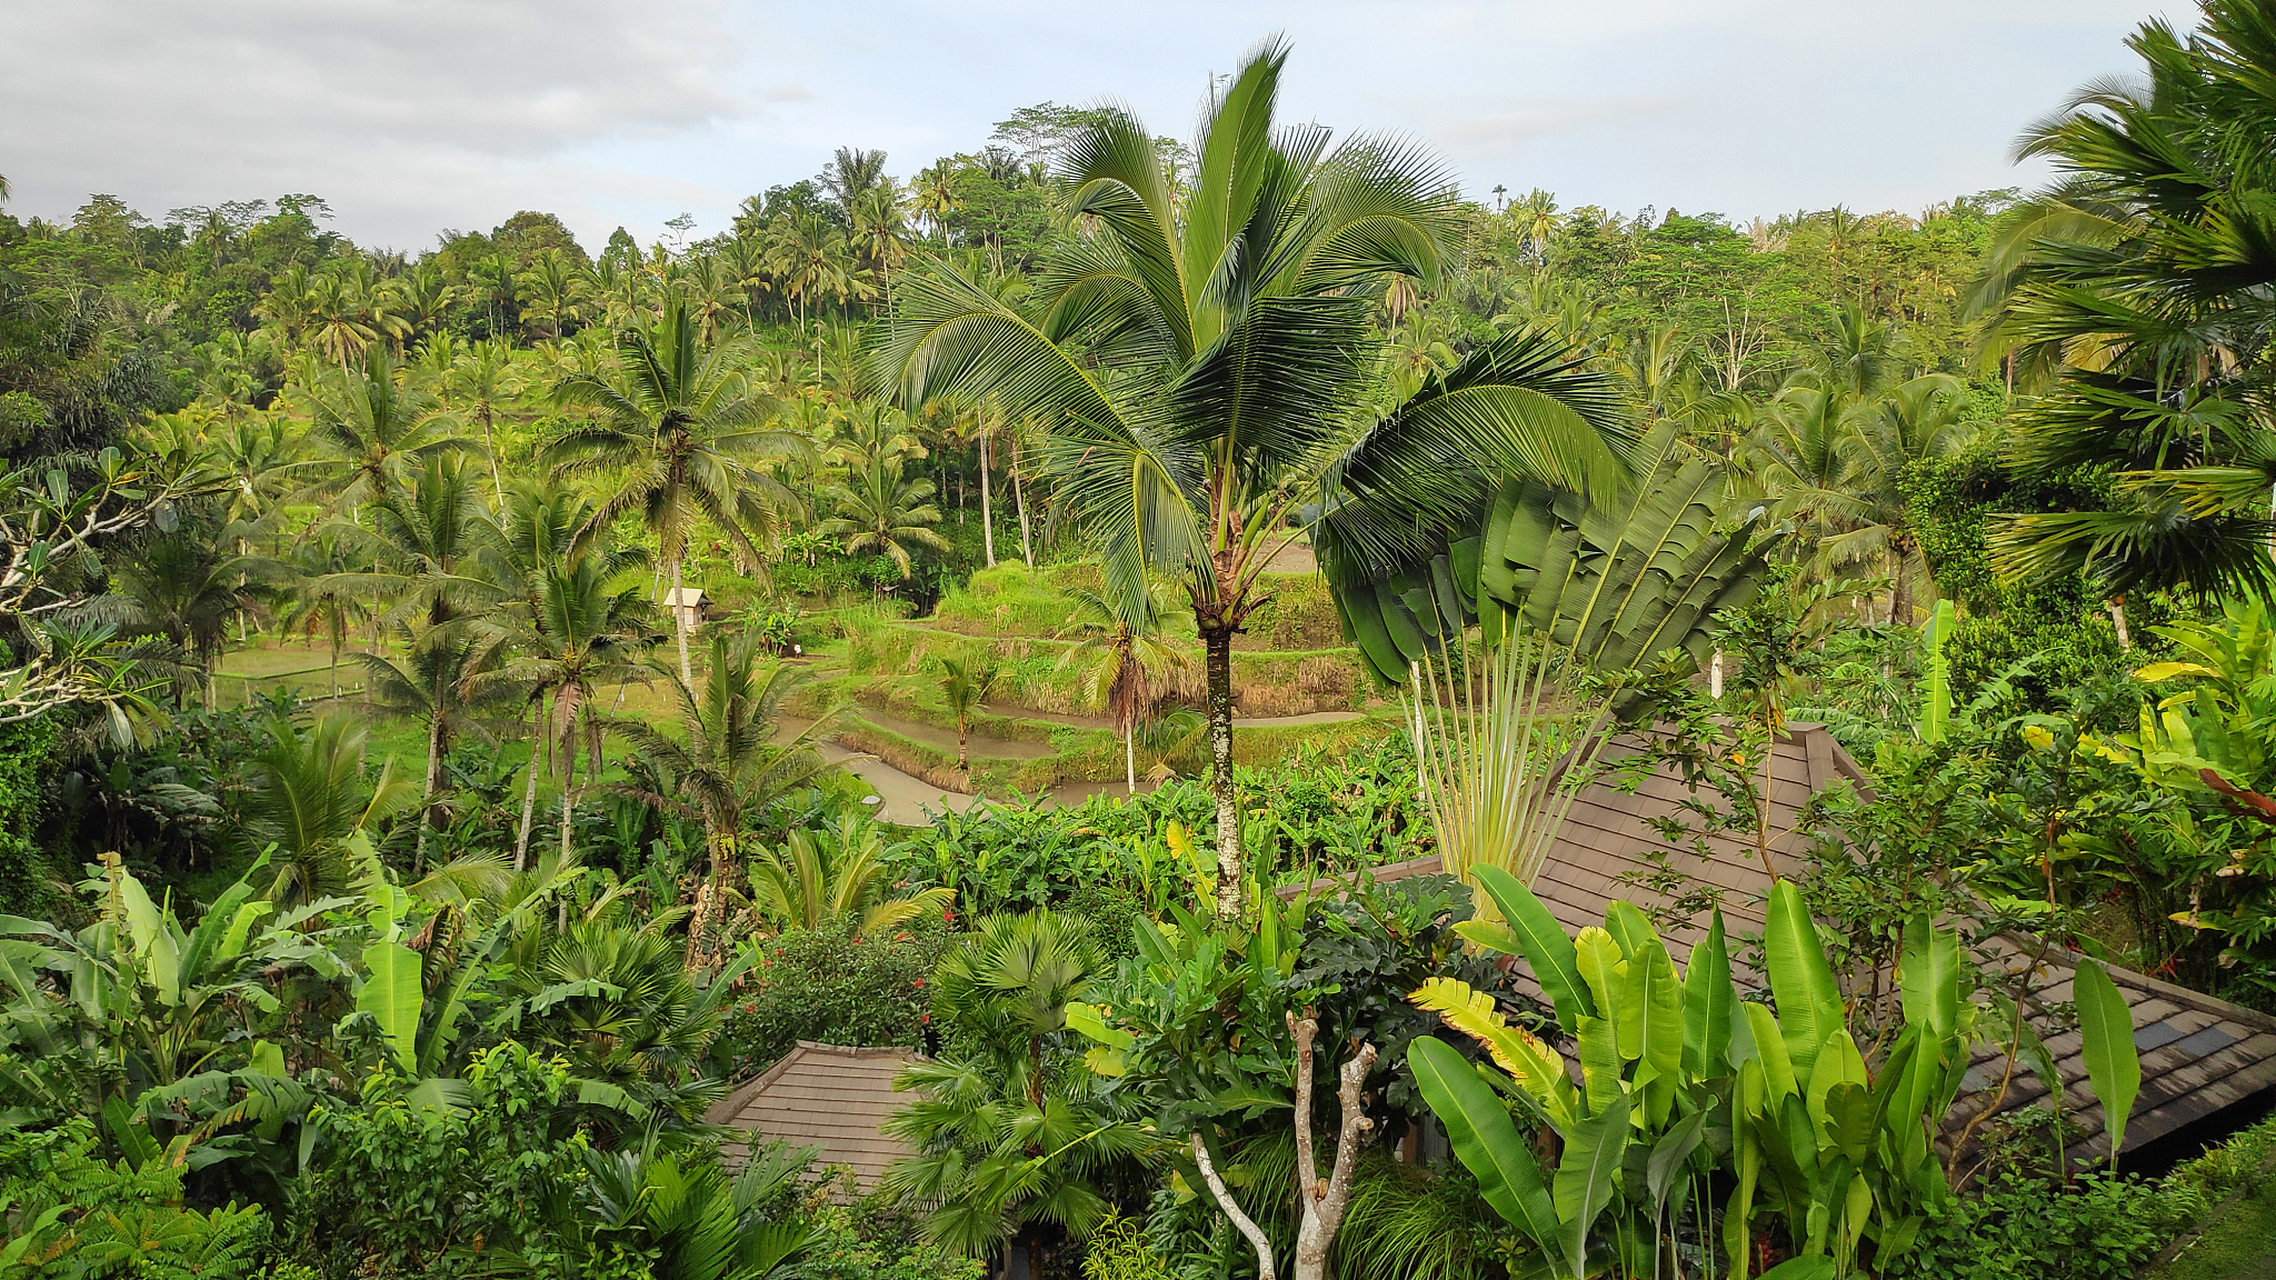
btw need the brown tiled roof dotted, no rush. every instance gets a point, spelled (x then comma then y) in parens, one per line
(829, 1097)
(2199, 1054)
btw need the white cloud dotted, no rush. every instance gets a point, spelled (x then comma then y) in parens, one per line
(414, 115)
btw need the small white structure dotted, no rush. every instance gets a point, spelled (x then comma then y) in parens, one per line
(686, 606)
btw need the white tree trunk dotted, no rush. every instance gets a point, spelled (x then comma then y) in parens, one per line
(987, 524)
(1241, 1222)
(1019, 500)
(680, 621)
(1322, 1203)
(529, 791)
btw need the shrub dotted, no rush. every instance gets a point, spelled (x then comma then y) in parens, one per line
(864, 1243)
(2097, 1228)
(835, 986)
(66, 1213)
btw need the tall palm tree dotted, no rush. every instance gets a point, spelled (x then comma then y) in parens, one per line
(427, 540)
(681, 436)
(585, 632)
(2136, 290)
(369, 431)
(1206, 365)
(321, 604)
(476, 381)
(556, 289)
(725, 763)
(881, 513)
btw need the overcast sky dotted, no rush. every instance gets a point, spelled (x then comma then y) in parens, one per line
(410, 116)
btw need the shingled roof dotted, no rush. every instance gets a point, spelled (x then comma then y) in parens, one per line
(829, 1097)
(2200, 1055)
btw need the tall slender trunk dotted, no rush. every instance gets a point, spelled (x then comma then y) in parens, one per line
(529, 789)
(434, 778)
(568, 793)
(1130, 756)
(497, 482)
(987, 523)
(1019, 500)
(1218, 647)
(680, 620)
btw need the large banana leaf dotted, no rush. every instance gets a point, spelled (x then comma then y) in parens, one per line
(1613, 582)
(1488, 1145)
(1809, 1001)
(1546, 945)
(2113, 1063)
(391, 994)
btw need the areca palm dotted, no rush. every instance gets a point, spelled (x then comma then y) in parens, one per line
(821, 878)
(1206, 363)
(725, 762)
(2139, 288)
(682, 437)
(881, 513)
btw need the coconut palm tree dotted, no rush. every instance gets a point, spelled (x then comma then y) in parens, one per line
(369, 431)
(2135, 291)
(965, 684)
(427, 541)
(880, 513)
(556, 290)
(1206, 363)
(476, 381)
(587, 630)
(1120, 651)
(306, 793)
(725, 763)
(680, 437)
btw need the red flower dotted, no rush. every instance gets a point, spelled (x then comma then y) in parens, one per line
(918, 983)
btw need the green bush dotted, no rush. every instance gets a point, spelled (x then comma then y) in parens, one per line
(67, 1214)
(834, 986)
(2097, 1228)
(867, 1245)
(497, 1174)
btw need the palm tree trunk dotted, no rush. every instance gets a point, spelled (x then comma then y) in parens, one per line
(568, 790)
(497, 482)
(434, 777)
(1218, 647)
(529, 790)
(987, 525)
(1130, 756)
(680, 621)
(1019, 500)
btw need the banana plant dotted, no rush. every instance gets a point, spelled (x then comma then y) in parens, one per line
(1653, 1050)
(1837, 1152)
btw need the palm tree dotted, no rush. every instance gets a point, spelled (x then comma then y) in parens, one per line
(321, 604)
(965, 684)
(881, 232)
(186, 588)
(370, 431)
(306, 794)
(683, 436)
(725, 762)
(427, 540)
(2136, 291)
(584, 632)
(817, 879)
(476, 381)
(557, 288)
(880, 513)
(1120, 650)
(1008, 1129)
(936, 196)
(1206, 365)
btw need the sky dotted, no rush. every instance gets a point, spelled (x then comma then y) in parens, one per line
(414, 116)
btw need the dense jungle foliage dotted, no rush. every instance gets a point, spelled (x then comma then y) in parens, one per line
(466, 710)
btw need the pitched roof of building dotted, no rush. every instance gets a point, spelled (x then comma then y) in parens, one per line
(830, 1097)
(2199, 1054)
(684, 597)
